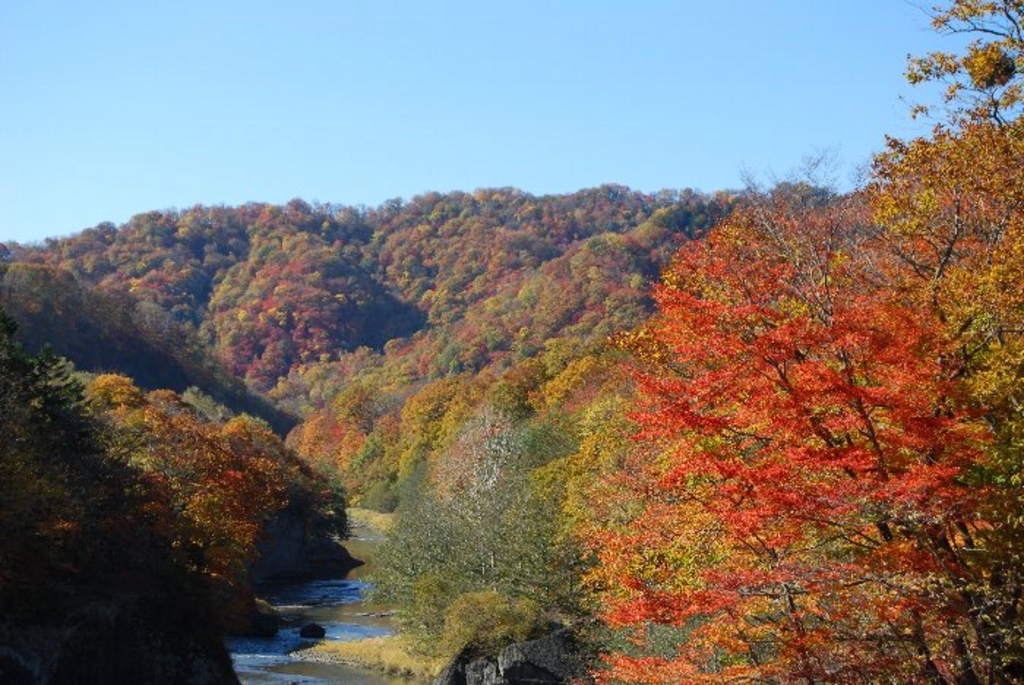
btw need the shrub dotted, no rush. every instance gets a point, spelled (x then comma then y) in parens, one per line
(485, 622)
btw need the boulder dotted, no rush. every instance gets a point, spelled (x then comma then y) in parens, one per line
(554, 658)
(264, 620)
(313, 630)
(454, 673)
(483, 672)
(245, 615)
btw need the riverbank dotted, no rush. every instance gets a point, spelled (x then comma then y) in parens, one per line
(336, 604)
(377, 522)
(390, 654)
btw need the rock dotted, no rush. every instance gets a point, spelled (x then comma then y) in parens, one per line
(554, 658)
(313, 630)
(264, 620)
(483, 672)
(454, 673)
(245, 615)
(290, 552)
(105, 642)
(14, 672)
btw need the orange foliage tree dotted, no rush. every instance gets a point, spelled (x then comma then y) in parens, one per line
(222, 482)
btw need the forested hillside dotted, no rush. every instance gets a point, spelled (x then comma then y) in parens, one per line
(494, 273)
(309, 305)
(113, 331)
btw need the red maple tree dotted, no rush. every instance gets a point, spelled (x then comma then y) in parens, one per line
(801, 505)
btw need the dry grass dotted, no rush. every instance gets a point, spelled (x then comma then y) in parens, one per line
(390, 654)
(382, 523)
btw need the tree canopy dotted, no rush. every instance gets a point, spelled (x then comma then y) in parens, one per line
(825, 485)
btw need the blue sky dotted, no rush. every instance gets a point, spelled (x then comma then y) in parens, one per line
(109, 108)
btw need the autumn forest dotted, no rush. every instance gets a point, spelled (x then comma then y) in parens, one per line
(773, 434)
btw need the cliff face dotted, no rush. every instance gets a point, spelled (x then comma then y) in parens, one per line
(291, 550)
(107, 642)
(555, 659)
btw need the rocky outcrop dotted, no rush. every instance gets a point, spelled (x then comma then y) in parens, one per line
(113, 642)
(312, 630)
(291, 551)
(261, 620)
(555, 658)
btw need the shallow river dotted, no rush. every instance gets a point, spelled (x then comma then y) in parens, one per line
(338, 606)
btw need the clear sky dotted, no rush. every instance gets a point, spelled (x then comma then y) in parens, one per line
(109, 108)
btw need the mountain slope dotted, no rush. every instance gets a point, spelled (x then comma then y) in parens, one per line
(465, 279)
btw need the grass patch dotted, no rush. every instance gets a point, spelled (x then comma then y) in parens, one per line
(391, 654)
(378, 521)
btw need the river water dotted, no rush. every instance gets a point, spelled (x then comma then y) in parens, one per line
(337, 605)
